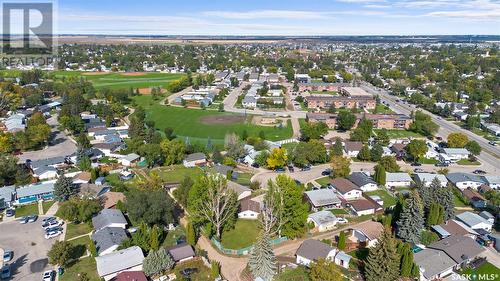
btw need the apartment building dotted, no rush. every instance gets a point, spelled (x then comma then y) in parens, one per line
(380, 121)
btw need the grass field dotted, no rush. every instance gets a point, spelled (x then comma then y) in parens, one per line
(323, 181)
(123, 80)
(338, 211)
(74, 230)
(174, 174)
(382, 109)
(393, 134)
(187, 123)
(427, 161)
(243, 235)
(202, 274)
(31, 209)
(46, 205)
(388, 199)
(244, 178)
(86, 265)
(80, 246)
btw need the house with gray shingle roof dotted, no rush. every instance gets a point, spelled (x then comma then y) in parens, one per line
(7, 196)
(427, 178)
(108, 239)
(109, 218)
(363, 181)
(434, 264)
(182, 252)
(397, 180)
(195, 159)
(311, 250)
(130, 259)
(474, 221)
(323, 220)
(464, 180)
(323, 199)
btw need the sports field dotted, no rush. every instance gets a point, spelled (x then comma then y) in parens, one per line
(123, 80)
(199, 125)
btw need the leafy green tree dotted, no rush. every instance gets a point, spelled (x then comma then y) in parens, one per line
(157, 262)
(382, 263)
(181, 193)
(84, 163)
(214, 269)
(473, 147)
(340, 166)
(325, 270)
(383, 137)
(341, 244)
(262, 261)
(338, 148)
(92, 248)
(423, 124)
(173, 151)
(154, 238)
(345, 120)
(364, 154)
(151, 206)
(261, 158)
(389, 163)
(416, 148)
(63, 189)
(411, 220)
(60, 253)
(428, 237)
(234, 147)
(191, 234)
(277, 158)
(380, 174)
(376, 153)
(435, 214)
(8, 170)
(313, 130)
(407, 262)
(363, 131)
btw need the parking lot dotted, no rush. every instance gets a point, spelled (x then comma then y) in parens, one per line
(30, 249)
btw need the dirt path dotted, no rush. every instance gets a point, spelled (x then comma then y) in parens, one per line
(295, 127)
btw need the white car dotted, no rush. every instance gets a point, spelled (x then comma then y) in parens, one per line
(342, 220)
(49, 275)
(52, 223)
(52, 234)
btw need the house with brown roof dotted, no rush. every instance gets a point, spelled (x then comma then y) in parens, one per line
(181, 253)
(474, 197)
(109, 199)
(363, 206)
(366, 234)
(250, 208)
(352, 148)
(346, 189)
(399, 150)
(454, 228)
(130, 276)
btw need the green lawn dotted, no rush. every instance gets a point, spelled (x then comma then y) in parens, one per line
(484, 270)
(86, 265)
(122, 80)
(46, 205)
(323, 181)
(244, 178)
(468, 162)
(173, 235)
(187, 123)
(31, 209)
(457, 201)
(203, 273)
(338, 211)
(333, 93)
(243, 235)
(388, 199)
(81, 246)
(400, 133)
(174, 174)
(382, 109)
(74, 230)
(428, 161)
(300, 273)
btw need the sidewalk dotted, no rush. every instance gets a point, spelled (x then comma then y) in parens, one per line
(53, 209)
(40, 208)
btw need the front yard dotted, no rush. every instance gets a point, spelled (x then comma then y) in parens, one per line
(25, 210)
(74, 230)
(323, 181)
(46, 205)
(244, 178)
(244, 234)
(468, 162)
(300, 273)
(202, 274)
(175, 174)
(487, 269)
(75, 268)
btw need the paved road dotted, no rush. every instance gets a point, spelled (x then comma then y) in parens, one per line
(490, 155)
(62, 145)
(30, 249)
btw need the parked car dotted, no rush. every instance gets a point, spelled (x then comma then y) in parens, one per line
(7, 256)
(23, 220)
(32, 218)
(49, 219)
(419, 170)
(291, 169)
(342, 220)
(416, 164)
(280, 170)
(479, 172)
(326, 172)
(441, 164)
(5, 273)
(439, 138)
(306, 168)
(492, 143)
(52, 234)
(255, 165)
(188, 271)
(55, 228)
(52, 224)
(49, 275)
(10, 212)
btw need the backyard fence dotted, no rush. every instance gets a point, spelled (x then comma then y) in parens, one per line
(243, 251)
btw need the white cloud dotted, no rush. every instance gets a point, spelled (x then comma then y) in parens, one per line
(362, 1)
(479, 15)
(266, 14)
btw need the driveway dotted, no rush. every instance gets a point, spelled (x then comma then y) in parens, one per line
(61, 145)
(30, 249)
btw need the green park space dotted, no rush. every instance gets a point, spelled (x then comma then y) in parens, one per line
(385, 196)
(75, 268)
(25, 210)
(395, 133)
(46, 205)
(74, 230)
(243, 234)
(382, 109)
(197, 124)
(117, 80)
(175, 173)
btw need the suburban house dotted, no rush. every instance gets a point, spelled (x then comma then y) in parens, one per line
(182, 252)
(440, 258)
(311, 250)
(463, 180)
(130, 259)
(366, 234)
(322, 199)
(323, 220)
(363, 181)
(195, 159)
(91, 190)
(363, 206)
(130, 159)
(35, 192)
(475, 221)
(81, 177)
(240, 190)
(352, 148)
(109, 218)
(398, 149)
(488, 216)
(427, 178)
(454, 227)
(346, 189)
(456, 154)
(109, 199)
(397, 180)
(108, 239)
(223, 170)
(7, 196)
(476, 199)
(45, 173)
(432, 150)
(492, 181)
(250, 208)
(130, 276)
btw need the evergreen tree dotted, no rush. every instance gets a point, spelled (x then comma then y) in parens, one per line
(157, 261)
(435, 214)
(342, 241)
(411, 220)
(380, 175)
(364, 154)
(406, 260)
(63, 189)
(427, 192)
(262, 261)
(376, 153)
(190, 234)
(217, 156)
(154, 238)
(446, 199)
(382, 263)
(338, 149)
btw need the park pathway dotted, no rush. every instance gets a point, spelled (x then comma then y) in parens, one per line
(40, 208)
(53, 209)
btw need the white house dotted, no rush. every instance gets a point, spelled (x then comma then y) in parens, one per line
(432, 150)
(109, 218)
(475, 221)
(492, 181)
(363, 181)
(427, 178)
(108, 239)
(397, 180)
(130, 159)
(352, 148)
(463, 180)
(45, 173)
(130, 259)
(367, 233)
(346, 189)
(311, 250)
(323, 220)
(363, 206)
(250, 208)
(456, 154)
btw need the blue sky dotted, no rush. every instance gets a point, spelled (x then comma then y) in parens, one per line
(271, 17)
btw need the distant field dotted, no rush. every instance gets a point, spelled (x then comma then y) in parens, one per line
(123, 80)
(192, 123)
